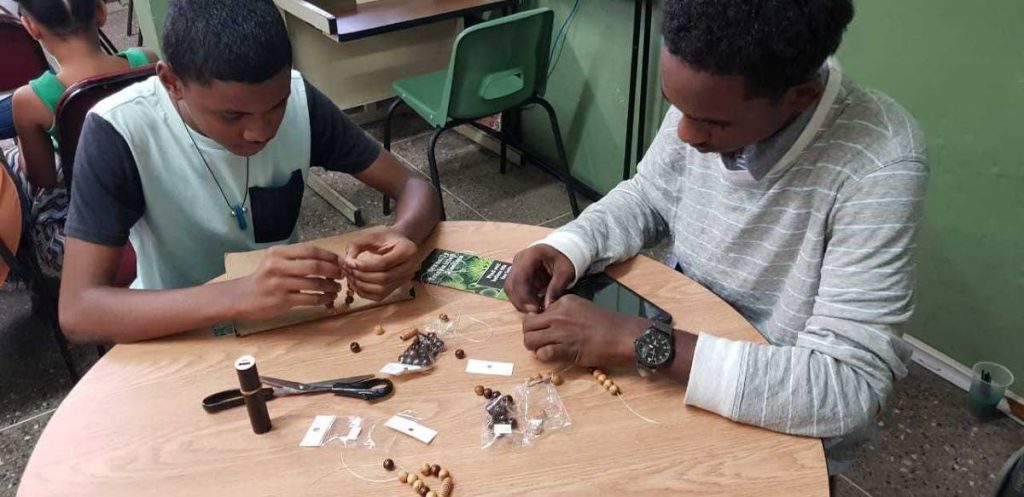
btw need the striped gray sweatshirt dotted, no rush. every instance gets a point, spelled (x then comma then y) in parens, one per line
(816, 255)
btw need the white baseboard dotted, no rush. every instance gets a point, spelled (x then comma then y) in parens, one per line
(952, 371)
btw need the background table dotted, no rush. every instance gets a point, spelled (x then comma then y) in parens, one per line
(134, 425)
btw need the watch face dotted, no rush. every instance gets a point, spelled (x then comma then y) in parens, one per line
(654, 348)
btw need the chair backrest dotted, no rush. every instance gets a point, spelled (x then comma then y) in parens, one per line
(76, 102)
(23, 57)
(498, 64)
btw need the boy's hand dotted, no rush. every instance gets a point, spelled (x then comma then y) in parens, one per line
(575, 330)
(538, 270)
(379, 262)
(289, 276)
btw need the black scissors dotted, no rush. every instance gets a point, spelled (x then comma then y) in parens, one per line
(366, 387)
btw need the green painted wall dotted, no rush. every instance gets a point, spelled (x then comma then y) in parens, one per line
(959, 68)
(150, 14)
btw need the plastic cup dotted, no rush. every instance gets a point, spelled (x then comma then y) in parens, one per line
(987, 389)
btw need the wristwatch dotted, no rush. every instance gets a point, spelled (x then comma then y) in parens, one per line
(655, 349)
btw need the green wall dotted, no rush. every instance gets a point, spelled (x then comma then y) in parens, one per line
(958, 66)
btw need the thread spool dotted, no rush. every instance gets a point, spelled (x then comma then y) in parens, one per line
(255, 403)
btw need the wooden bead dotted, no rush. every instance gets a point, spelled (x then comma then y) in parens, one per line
(354, 347)
(389, 464)
(411, 479)
(487, 393)
(423, 490)
(537, 377)
(597, 372)
(446, 488)
(425, 469)
(443, 317)
(435, 469)
(403, 477)
(409, 334)
(601, 378)
(614, 390)
(556, 379)
(378, 330)
(443, 474)
(607, 383)
(417, 485)
(460, 354)
(479, 390)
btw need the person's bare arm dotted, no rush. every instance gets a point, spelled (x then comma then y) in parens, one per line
(418, 208)
(93, 310)
(31, 120)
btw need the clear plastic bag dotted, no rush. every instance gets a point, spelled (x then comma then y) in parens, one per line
(533, 410)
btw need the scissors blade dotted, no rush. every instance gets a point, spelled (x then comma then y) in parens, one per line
(291, 387)
(350, 379)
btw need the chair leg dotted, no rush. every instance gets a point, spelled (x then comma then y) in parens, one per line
(566, 174)
(131, 14)
(434, 176)
(49, 312)
(504, 143)
(387, 145)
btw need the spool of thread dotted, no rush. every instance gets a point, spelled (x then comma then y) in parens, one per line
(255, 403)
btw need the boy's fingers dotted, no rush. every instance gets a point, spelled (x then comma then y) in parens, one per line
(312, 267)
(302, 284)
(400, 274)
(298, 252)
(377, 261)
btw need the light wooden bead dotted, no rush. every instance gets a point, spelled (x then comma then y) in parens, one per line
(443, 474)
(446, 488)
(607, 383)
(601, 378)
(403, 476)
(425, 469)
(412, 478)
(556, 379)
(597, 372)
(417, 484)
(614, 390)
(447, 479)
(378, 330)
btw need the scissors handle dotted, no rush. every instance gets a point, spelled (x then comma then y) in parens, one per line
(231, 398)
(370, 389)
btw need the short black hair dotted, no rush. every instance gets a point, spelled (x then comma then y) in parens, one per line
(61, 17)
(243, 41)
(773, 44)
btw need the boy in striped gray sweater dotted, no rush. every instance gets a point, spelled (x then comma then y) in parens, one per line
(789, 192)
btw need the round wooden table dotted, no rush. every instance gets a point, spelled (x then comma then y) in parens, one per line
(134, 425)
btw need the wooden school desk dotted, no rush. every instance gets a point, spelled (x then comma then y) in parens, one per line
(134, 426)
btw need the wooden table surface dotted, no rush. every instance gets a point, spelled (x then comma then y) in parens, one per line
(366, 19)
(134, 426)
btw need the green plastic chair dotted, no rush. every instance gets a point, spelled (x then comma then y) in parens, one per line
(496, 66)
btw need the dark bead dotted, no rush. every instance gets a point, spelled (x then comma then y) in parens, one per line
(389, 464)
(508, 400)
(513, 423)
(460, 354)
(354, 347)
(423, 490)
(495, 394)
(349, 299)
(487, 393)
(435, 469)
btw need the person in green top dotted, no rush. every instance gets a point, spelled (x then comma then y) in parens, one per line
(68, 30)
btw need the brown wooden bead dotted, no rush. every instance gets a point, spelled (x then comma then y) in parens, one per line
(487, 393)
(614, 390)
(607, 383)
(435, 469)
(556, 379)
(425, 469)
(443, 474)
(354, 347)
(378, 330)
(423, 490)
(460, 354)
(409, 334)
(389, 464)
(443, 317)
(403, 476)
(479, 390)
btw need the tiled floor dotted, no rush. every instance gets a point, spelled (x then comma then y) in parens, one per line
(925, 445)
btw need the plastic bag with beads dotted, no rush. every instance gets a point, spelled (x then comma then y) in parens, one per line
(532, 411)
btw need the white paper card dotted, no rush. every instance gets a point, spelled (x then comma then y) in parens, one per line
(502, 429)
(398, 369)
(411, 428)
(317, 431)
(490, 367)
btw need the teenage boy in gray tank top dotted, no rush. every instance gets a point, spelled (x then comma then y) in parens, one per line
(788, 191)
(211, 156)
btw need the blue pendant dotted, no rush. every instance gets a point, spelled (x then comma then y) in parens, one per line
(239, 213)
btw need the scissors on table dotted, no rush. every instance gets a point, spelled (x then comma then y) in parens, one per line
(365, 387)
